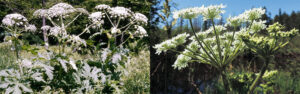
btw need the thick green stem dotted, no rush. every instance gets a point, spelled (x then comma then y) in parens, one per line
(261, 73)
(212, 59)
(225, 82)
(217, 39)
(16, 48)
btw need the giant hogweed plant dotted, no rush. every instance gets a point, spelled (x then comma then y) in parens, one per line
(217, 46)
(56, 72)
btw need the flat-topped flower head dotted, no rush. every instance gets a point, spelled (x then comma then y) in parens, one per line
(188, 13)
(200, 35)
(140, 31)
(218, 28)
(140, 18)
(171, 43)
(82, 10)
(40, 13)
(235, 21)
(102, 7)
(213, 12)
(121, 12)
(181, 61)
(254, 13)
(14, 19)
(30, 28)
(96, 17)
(258, 25)
(60, 9)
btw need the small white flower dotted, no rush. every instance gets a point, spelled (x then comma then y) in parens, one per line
(116, 58)
(96, 17)
(72, 63)
(258, 25)
(171, 43)
(30, 28)
(55, 31)
(82, 10)
(140, 18)
(41, 13)
(104, 54)
(141, 32)
(26, 63)
(115, 30)
(102, 7)
(181, 61)
(46, 27)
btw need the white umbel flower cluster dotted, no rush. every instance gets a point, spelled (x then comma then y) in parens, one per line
(181, 61)
(235, 21)
(82, 10)
(30, 28)
(60, 9)
(213, 12)
(171, 43)
(254, 14)
(102, 7)
(96, 17)
(188, 13)
(41, 13)
(140, 31)
(210, 12)
(140, 18)
(121, 12)
(258, 25)
(247, 16)
(46, 27)
(14, 19)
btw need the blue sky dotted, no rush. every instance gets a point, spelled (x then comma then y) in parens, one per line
(235, 7)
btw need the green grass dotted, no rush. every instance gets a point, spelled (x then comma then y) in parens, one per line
(7, 56)
(136, 77)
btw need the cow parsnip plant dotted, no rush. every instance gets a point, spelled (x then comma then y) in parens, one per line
(54, 72)
(217, 46)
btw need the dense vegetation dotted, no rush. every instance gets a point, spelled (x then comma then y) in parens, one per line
(90, 49)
